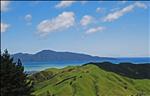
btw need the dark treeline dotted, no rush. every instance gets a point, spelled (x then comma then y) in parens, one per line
(14, 81)
(136, 71)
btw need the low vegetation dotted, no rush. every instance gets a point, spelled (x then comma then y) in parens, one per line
(87, 80)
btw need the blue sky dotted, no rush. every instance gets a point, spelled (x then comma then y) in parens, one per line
(102, 28)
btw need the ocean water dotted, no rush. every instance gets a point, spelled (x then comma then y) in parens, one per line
(38, 66)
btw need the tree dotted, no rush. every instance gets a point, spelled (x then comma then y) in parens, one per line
(14, 81)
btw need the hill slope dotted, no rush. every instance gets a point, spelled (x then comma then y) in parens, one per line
(87, 80)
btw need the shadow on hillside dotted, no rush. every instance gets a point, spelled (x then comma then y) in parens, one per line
(135, 71)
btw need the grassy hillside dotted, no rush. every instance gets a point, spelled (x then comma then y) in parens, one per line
(87, 80)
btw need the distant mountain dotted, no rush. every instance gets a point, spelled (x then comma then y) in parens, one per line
(49, 55)
(96, 79)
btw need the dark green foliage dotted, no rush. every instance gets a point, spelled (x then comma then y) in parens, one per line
(48, 93)
(136, 71)
(14, 82)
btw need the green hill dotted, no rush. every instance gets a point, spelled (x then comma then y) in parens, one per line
(87, 80)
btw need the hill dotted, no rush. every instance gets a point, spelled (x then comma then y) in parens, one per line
(49, 55)
(87, 80)
(136, 71)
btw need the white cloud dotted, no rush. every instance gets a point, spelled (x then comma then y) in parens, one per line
(117, 14)
(64, 4)
(86, 20)
(96, 29)
(62, 21)
(141, 5)
(68, 3)
(98, 10)
(28, 19)
(4, 27)
(4, 5)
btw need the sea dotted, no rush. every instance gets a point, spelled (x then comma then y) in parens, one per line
(39, 66)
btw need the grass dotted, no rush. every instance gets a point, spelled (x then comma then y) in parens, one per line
(88, 80)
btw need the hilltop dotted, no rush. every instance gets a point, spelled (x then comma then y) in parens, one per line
(87, 80)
